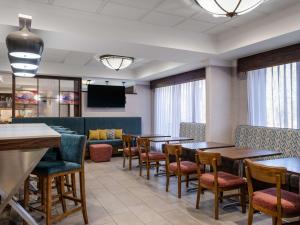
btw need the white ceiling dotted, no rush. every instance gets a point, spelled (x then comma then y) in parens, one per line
(164, 36)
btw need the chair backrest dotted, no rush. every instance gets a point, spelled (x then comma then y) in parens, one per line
(127, 140)
(175, 151)
(211, 159)
(143, 145)
(72, 148)
(266, 174)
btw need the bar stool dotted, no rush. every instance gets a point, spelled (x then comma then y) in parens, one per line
(71, 161)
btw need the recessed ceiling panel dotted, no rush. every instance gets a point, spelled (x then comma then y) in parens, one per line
(123, 11)
(162, 19)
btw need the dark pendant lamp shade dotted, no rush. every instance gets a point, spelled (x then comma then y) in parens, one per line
(24, 44)
(24, 49)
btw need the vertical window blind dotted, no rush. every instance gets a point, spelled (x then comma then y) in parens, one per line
(274, 96)
(178, 103)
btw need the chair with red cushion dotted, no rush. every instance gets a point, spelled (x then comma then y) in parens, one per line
(274, 201)
(130, 152)
(217, 181)
(147, 157)
(179, 168)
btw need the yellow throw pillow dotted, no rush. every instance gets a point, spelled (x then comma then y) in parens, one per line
(93, 135)
(118, 133)
(102, 134)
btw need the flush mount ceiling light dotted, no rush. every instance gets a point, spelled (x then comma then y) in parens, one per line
(229, 8)
(115, 62)
(24, 48)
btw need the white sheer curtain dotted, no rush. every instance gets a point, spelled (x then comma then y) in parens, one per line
(178, 103)
(274, 96)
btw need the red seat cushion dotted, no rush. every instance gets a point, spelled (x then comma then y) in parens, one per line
(185, 166)
(154, 156)
(134, 151)
(267, 199)
(225, 180)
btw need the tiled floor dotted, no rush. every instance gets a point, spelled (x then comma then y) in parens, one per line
(116, 196)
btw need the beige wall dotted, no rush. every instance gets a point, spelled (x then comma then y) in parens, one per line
(136, 106)
(218, 104)
(226, 96)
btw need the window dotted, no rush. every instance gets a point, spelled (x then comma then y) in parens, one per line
(274, 96)
(178, 103)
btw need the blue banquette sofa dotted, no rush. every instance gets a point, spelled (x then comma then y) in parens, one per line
(82, 125)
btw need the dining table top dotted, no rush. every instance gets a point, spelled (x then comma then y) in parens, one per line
(149, 135)
(27, 136)
(292, 164)
(203, 145)
(235, 153)
(170, 139)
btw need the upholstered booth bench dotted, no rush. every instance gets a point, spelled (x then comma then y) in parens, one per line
(280, 139)
(192, 130)
(82, 125)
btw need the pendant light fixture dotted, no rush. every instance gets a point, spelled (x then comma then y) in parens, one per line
(24, 49)
(229, 8)
(115, 62)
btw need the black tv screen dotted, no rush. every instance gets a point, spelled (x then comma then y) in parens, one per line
(106, 96)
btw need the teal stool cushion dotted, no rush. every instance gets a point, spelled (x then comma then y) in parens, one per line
(52, 167)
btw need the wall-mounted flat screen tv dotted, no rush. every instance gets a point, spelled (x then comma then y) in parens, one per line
(106, 96)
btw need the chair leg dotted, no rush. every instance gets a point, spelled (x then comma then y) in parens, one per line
(274, 220)
(216, 204)
(26, 196)
(68, 183)
(62, 192)
(250, 214)
(179, 186)
(148, 170)
(243, 198)
(83, 198)
(124, 160)
(157, 167)
(199, 191)
(74, 189)
(130, 162)
(168, 181)
(141, 167)
(187, 179)
(48, 200)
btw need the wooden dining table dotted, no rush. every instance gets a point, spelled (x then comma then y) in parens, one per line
(291, 164)
(149, 135)
(239, 154)
(22, 146)
(167, 140)
(189, 149)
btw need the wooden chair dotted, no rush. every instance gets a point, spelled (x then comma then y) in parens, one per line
(179, 168)
(274, 201)
(147, 157)
(129, 151)
(217, 181)
(72, 152)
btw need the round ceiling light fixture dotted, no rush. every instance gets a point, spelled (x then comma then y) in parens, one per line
(228, 8)
(115, 62)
